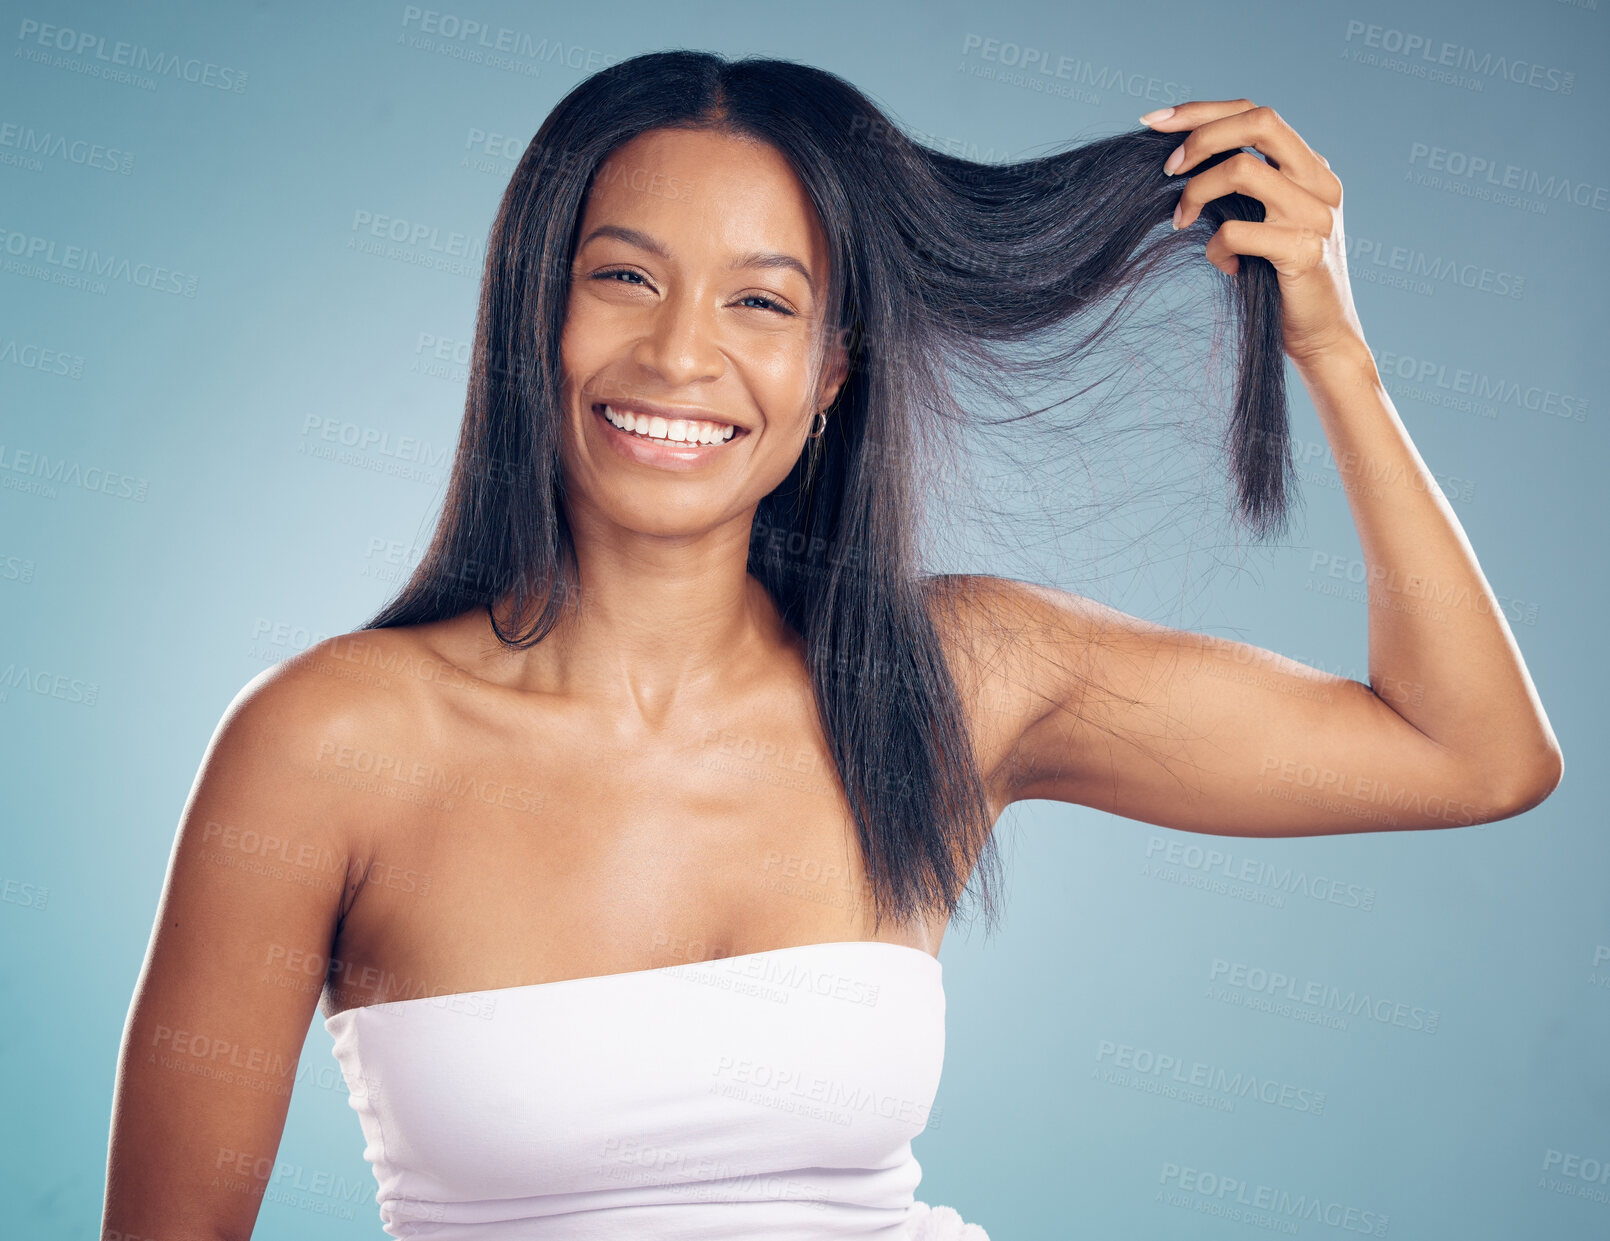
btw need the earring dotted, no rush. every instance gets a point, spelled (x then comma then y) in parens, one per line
(816, 433)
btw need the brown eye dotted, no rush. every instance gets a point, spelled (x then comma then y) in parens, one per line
(768, 303)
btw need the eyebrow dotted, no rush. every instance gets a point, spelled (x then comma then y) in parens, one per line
(757, 258)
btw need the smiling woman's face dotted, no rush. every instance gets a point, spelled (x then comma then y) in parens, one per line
(697, 297)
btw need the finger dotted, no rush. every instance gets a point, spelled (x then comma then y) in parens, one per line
(1290, 247)
(1244, 173)
(1193, 113)
(1266, 131)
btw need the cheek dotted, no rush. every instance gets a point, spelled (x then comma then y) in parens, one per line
(590, 317)
(579, 339)
(780, 372)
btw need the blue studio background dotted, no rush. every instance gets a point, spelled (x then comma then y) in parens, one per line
(257, 419)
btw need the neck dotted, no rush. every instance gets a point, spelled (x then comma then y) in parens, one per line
(658, 624)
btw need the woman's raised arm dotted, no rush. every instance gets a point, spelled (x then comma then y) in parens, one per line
(1091, 706)
(1203, 734)
(258, 880)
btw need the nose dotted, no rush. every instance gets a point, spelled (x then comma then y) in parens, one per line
(680, 345)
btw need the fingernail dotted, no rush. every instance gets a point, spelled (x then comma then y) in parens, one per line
(1161, 114)
(1177, 207)
(1172, 164)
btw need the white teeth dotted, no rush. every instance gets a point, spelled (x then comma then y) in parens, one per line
(675, 431)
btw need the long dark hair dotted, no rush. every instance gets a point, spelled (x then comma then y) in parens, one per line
(939, 266)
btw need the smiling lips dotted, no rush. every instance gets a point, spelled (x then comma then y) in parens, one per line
(668, 430)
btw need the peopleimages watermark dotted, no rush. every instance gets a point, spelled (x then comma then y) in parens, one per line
(46, 684)
(1601, 956)
(40, 471)
(416, 243)
(290, 1184)
(779, 976)
(788, 1088)
(23, 893)
(261, 1070)
(41, 358)
(1162, 1073)
(1235, 1198)
(90, 54)
(1429, 55)
(377, 449)
(1039, 68)
(1386, 581)
(1316, 997)
(451, 243)
(1576, 1176)
(1291, 879)
(312, 972)
(390, 560)
(19, 569)
(469, 32)
(26, 254)
(1496, 176)
(25, 147)
(1328, 782)
(1418, 271)
(1476, 391)
(1356, 472)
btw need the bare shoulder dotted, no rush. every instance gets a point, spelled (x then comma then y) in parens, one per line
(1016, 651)
(297, 732)
(1051, 635)
(374, 679)
(1024, 652)
(342, 688)
(995, 604)
(1004, 629)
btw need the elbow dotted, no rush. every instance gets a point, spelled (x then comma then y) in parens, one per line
(1530, 783)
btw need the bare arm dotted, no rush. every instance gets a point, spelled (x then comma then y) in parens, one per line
(1198, 733)
(1209, 735)
(1440, 648)
(255, 889)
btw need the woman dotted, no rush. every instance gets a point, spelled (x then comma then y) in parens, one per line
(621, 844)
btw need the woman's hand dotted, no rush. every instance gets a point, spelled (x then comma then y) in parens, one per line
(1301, 233)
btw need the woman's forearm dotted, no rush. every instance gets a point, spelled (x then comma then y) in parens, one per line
(1441, 652)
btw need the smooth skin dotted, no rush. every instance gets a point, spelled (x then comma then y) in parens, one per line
(417, 812)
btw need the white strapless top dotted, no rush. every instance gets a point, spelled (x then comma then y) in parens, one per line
(771, 1095)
